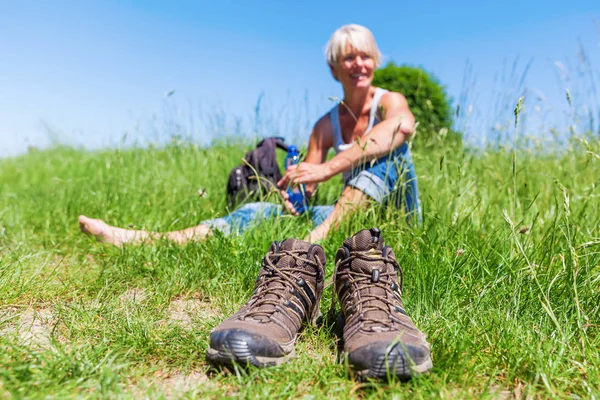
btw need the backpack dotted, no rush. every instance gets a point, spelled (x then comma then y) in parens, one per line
(243, 184)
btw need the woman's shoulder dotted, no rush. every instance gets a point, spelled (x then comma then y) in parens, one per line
(323, 132)
(392, 99)
(389, 94)
(323, 125)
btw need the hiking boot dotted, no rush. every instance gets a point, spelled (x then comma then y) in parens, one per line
(379, 338)
(287, 292)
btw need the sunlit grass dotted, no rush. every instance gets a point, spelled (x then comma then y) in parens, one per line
(504, 276)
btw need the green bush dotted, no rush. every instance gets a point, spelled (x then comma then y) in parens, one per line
(426, 98)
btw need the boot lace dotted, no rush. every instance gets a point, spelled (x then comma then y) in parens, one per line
(369, 303)
(289, 276)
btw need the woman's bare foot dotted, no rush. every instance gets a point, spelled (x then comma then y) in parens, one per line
(110, 234)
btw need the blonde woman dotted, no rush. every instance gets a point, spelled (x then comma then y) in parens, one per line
(368, 131)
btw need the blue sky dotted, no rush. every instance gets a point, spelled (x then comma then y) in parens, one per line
(87, 72)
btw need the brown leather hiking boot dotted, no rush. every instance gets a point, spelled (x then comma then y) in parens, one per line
(379, 338)
(287, 292)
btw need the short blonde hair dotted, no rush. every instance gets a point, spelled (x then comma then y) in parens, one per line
(358, 36)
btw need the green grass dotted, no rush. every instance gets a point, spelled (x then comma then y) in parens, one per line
(504, 276)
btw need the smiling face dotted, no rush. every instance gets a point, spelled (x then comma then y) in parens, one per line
(353, 56)
(354, 68)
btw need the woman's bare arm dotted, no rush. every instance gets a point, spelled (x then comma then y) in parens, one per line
(398, 123)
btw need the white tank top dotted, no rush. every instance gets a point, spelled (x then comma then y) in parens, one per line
(334, 115)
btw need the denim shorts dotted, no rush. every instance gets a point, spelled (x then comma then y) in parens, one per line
(389, 180)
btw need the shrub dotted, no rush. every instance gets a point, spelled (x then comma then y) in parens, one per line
(426, 98)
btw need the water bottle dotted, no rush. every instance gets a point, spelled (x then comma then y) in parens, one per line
(297, 192)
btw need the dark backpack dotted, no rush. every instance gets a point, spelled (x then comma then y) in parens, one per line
(244, 184)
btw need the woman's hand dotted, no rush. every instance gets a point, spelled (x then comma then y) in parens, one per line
(305, 173)
(288, 204)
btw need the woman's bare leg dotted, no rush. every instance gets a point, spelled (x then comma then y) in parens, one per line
(351, 200)
(119, 236)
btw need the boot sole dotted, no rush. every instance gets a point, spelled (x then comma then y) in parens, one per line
(238, 353)
(385, 367)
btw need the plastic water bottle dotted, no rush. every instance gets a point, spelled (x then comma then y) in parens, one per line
(297, 192)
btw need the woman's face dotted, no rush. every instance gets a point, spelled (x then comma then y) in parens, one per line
(354, 68)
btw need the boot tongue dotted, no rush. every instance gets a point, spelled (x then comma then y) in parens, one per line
(370, 243)
(294, 244)
(299, 245)
(365, 240)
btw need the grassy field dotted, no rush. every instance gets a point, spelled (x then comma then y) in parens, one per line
(504, 276)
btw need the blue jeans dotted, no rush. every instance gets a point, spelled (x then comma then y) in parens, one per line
(389, 180)
(240, 219)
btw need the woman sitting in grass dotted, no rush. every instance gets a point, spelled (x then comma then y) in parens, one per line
(367, 130)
